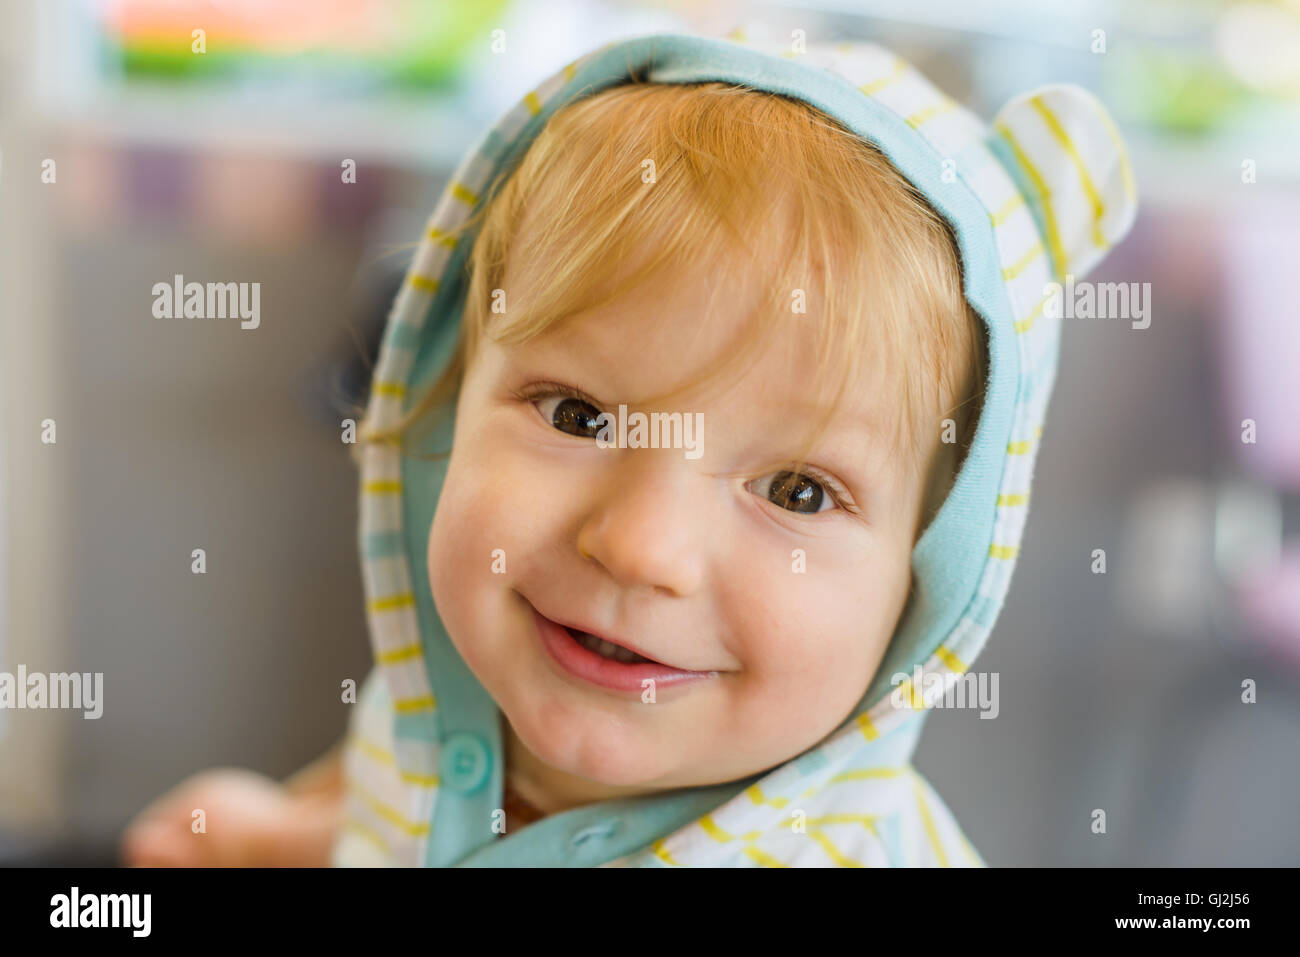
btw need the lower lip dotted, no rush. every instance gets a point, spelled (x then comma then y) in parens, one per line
(605, 672)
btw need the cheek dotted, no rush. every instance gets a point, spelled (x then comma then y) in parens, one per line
(817, 638)
(492, 522)
(470, 523)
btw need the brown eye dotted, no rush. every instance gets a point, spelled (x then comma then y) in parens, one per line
(797, 492)
(570, 415)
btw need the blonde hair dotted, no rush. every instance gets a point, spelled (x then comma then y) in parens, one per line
(727, 162)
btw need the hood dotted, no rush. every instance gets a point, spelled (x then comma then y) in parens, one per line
(1038, 195)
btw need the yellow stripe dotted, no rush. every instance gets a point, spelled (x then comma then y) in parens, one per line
(952, 661)
(1006, 209)
(399, 654)
(389, 814)
(1027, 323)
(715, 832)
(1009, 501)
(1059, 262)
(533, 102)
(1020, 448)
(382, 487)
(1125, 169)
(424, 283)
(382, 756)
(1063, 138)
(569, 70)
(925, 116)
(464, 194)
(369, 834)
(423, 780)
(407, 705)
(756, 795)
(1003, 551)
(866, 820)
(661, 852)
(392, 602)
(875, 86)
(395, 389)
(928, 821)
(911, 694)
(374, 751)
(860, 774)
(447, 239)
(918, 698)
(832, 850)
(1017, 267)
(868, 729)
(765, 860)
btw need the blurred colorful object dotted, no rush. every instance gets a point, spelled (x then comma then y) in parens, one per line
(1260, 43)
(1179, 91)
(1219, 62)
(1258, 340)
(1269, 603)
(413, 43)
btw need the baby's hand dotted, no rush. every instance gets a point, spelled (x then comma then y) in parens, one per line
(247, 820)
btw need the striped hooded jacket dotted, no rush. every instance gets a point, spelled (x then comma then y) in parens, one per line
(1038, 195)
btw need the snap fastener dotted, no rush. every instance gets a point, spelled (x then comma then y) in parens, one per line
(464, 763)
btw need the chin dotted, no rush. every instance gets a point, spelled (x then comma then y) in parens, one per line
(568, 742)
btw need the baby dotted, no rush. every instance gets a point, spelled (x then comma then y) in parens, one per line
(598, 646)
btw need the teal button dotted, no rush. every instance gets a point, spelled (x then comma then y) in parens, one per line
(465, 762)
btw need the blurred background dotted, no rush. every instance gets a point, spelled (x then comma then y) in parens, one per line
(1121, 691)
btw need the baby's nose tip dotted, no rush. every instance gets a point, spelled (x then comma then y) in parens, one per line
(655, 561)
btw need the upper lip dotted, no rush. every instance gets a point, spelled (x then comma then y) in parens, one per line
(604, 637)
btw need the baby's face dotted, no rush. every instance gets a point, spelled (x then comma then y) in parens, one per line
(766, 604)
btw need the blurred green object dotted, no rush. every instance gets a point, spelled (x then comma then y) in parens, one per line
(1186, 92)
(448, 32)
(429, 45)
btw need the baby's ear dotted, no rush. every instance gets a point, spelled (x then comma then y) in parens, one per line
(1066, 155)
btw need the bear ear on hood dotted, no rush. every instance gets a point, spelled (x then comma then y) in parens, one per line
(1065, 153)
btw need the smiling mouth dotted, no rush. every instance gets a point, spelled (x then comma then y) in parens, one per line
(608, 649)
(602, 662)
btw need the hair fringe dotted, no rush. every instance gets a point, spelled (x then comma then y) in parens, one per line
(728, 162)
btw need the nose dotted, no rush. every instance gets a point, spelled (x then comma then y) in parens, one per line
(647, 527)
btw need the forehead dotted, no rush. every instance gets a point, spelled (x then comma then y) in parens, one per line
(710, 305)
(673, 330)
